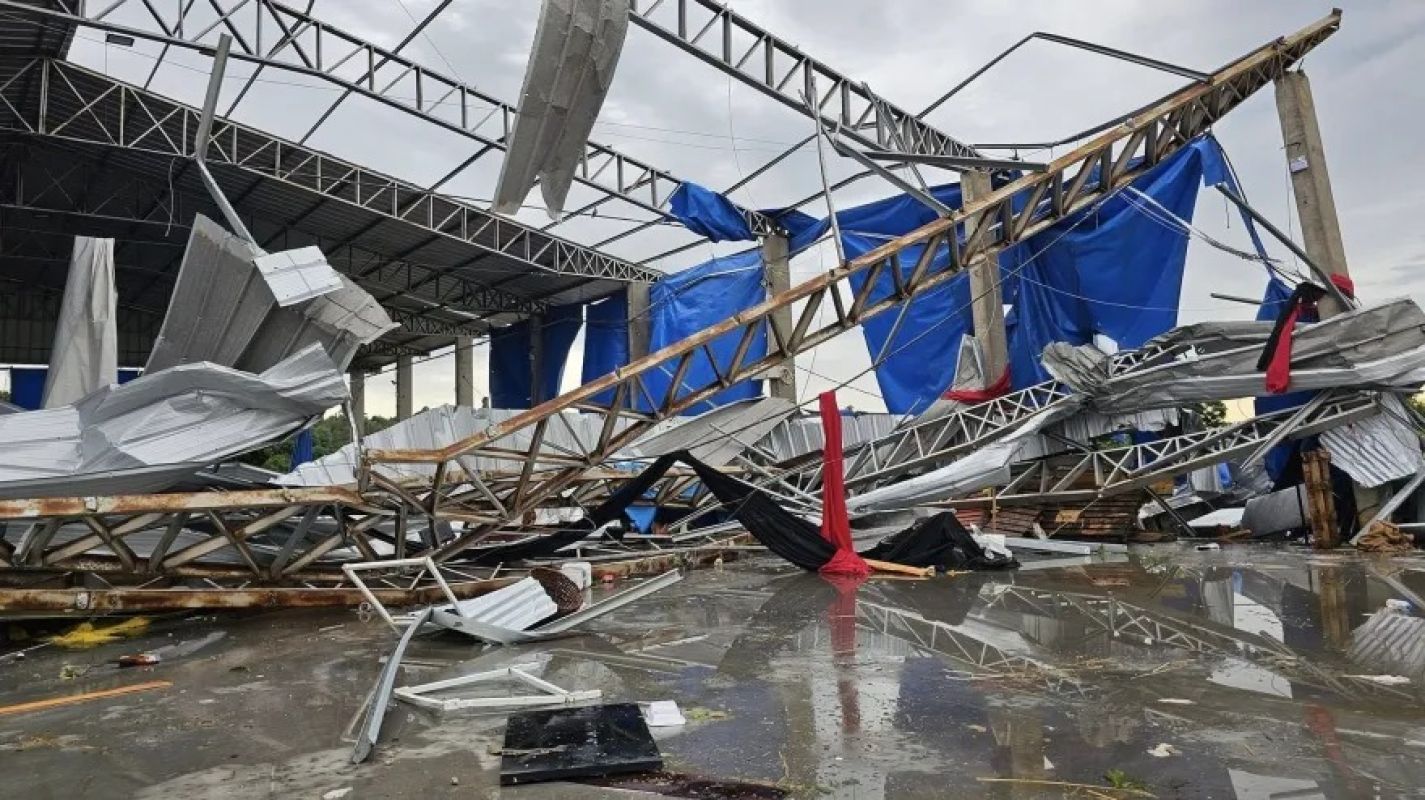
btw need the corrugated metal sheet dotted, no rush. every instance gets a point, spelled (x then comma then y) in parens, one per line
(161, 427)
(1390, 643)
(224, 311)
(803, 435)
(438, 427)
(1378, 449)
(717, 436)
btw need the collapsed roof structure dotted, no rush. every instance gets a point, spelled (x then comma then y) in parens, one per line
(1004, 421)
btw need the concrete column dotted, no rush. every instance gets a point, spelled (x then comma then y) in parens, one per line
(404, 375)
(639, 331)
(536, 360)
(357, 380)
(1310, 183)
(782, 382)
(464, 371)
(986, 297)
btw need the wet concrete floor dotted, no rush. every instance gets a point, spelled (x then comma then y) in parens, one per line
(1248, 673)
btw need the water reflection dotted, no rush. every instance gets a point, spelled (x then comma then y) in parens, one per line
(1247, 669)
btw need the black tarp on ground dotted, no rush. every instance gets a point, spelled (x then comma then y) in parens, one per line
(939, 541)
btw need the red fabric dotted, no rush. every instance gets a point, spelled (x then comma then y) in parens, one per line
(996, 389)
(1345, 284)
(1279, 370)
(835, 522)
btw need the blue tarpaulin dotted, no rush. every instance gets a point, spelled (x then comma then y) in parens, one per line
(709, 214)
(511, 352)
(1128, 262)
(303, 448)
(605, 340)
(27, 386)
(686, 302)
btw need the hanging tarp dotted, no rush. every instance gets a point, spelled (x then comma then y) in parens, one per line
(709, 214)
(571, 66)
(85, 355)
(511, 357)
(685, 303)
(605, 341)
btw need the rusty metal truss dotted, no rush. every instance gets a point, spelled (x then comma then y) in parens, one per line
(272, 35)
(1072, 182)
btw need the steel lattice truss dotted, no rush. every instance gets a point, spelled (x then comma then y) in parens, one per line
(112, 113)
(729, 41)
(1102, 473)
(273, 35)
(1073, 182)
(87, 106)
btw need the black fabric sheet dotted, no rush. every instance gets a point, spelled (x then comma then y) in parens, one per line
(938, 541)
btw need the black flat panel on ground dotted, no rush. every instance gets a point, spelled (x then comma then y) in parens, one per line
(577, 743)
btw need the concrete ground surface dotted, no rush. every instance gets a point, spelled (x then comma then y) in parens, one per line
(1246, 673)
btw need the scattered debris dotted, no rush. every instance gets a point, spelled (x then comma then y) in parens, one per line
(576, 743)
(1163, 750)
(69, 700)
(549, 694)
(86, 635)
(663, 714)
(381, 695)
(1383, 537)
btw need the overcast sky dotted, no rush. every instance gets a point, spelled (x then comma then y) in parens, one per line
(676, 112)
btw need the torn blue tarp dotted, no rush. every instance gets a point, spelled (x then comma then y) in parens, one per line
(709, 214)
(920, 351)
(1114, 269)
(303, 448)
(511, 354)
(686, 302)
(605, 340)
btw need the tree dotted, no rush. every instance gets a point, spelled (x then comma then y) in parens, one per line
(328, 435)
(1211, 414)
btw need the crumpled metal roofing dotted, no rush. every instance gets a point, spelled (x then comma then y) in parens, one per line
(714, 437)
(1380, 346)
(571, 67)
(159, 428)
(797, 437)
(709, 435)
(1377, 449)
(224, 311)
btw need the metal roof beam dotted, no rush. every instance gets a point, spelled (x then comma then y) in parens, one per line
(95, 108)
(388, 77)
(719, 36)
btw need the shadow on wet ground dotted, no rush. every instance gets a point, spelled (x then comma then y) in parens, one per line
(1250, 673)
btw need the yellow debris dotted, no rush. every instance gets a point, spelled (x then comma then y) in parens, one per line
(84, 635)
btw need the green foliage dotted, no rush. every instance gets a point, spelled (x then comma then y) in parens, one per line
(1119, 779)
(328, 436)
(1417, 402)
(1212, 414)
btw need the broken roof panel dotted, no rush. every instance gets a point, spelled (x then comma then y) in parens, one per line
(161, 427)
(1378, 449)
(297, 275)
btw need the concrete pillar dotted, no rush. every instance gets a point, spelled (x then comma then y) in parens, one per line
(639, 330)
(464, 371)
(536, 360)
(357, 380)
(783, 382)
(1310, 182)
(404, 376)
(986, 297)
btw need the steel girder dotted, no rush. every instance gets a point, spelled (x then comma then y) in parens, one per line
(1122, 469)
(81, 105)
(110, 199)
(1075, 181)
(734, 44)
(270, 34)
